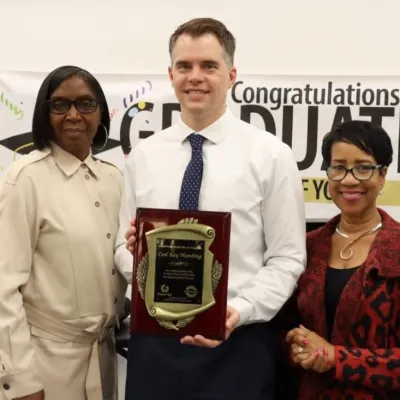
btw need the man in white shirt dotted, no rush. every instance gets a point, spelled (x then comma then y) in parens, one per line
(245, 171)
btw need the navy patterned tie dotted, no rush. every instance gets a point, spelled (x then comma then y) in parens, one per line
(190, 189)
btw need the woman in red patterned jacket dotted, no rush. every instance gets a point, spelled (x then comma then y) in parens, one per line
(348, 346)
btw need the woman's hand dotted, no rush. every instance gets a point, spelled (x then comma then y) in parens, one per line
(310, 350)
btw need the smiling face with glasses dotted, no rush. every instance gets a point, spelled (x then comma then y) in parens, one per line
(355, 178)
(74, 115)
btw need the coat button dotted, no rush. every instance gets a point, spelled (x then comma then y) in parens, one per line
(6, 386)
(113, 271)
(97, 204)
(108, 235)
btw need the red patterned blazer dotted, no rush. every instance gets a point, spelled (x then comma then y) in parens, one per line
(366, 332)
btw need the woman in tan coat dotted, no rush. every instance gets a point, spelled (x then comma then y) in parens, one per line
(60, 293)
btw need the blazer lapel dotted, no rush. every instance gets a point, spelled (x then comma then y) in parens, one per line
(311, 299)
(347, 309)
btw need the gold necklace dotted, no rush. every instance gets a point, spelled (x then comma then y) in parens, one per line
(349, 249)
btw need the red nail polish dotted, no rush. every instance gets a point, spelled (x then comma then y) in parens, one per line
(305, 342)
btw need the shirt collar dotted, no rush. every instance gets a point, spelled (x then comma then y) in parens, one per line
(215, 132)
(69, 164)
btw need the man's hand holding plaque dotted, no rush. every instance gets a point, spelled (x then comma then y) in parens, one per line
(232, 319)
(179, 284)
(130, 237)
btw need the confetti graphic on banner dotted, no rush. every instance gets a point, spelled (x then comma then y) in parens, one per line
(137, 93)
(113, 113)
(16, 110)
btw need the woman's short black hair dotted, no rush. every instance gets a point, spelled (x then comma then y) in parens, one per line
(371, 139)
(42, 131)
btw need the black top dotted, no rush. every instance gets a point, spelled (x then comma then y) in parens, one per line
(336, 280)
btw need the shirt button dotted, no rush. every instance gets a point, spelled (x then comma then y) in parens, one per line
(113, 271)
(6, 386)
(97, 204)
(87, 177)
(108, 235)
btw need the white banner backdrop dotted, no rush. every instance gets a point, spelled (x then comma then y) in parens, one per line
(298, 110)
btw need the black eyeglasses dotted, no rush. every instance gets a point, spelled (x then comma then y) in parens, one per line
(360, 172)
(62, 106)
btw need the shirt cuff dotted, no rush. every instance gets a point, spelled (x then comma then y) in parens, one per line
(20, 384)
(243, 307)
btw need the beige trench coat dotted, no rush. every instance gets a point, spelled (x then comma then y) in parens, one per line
(60, 293)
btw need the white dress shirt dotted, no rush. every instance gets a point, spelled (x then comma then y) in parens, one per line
(248, 172)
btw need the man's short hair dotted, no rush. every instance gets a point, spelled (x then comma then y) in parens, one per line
(198, 27)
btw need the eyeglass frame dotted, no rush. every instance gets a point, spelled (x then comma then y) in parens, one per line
(72, 102)
(372, 168)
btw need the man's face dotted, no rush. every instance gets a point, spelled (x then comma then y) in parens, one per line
(201, 75)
